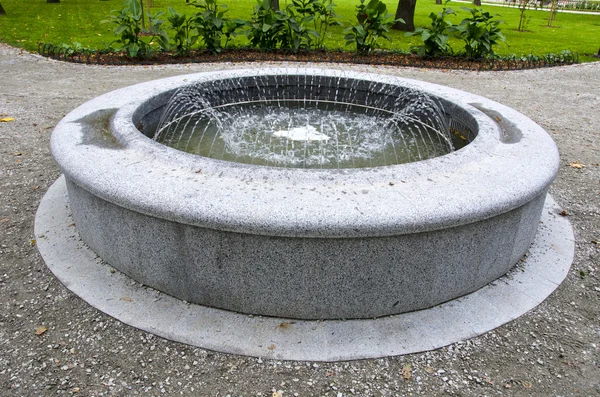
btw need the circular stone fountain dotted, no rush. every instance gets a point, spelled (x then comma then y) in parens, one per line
(295, 241)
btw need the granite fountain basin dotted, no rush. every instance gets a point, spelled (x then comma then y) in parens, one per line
(347, 243)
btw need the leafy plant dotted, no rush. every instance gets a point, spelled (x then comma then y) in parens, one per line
(186, 35)
(480, 33)
(73, 48)
(212, 24)
(322, 15)
(435, 39)
(264, 26)
(286, 29)
(156, 31)
(298, 29)
(374, 22)
(128, 28)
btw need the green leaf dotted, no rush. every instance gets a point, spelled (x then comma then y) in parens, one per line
(134, 7)
(120, 29)
(133, 49)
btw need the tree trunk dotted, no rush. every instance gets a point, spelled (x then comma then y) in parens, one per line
(52, 1)
(275, 4)
(406, 11)
(143, 14)
(438, 2)
(2, 12)
(477, 3)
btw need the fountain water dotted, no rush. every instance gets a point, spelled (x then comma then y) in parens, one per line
(320, 126)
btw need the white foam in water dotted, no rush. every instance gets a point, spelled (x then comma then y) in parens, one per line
(305, 133)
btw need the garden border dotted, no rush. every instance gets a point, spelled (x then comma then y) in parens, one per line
(389, 58)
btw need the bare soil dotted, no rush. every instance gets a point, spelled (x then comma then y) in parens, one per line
(53, 343)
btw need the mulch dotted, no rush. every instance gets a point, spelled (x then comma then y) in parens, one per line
(339, 56)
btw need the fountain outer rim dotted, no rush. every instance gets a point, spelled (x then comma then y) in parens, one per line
(539, 274)
(472, 184)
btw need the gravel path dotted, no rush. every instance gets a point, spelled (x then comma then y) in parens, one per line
(552, 351)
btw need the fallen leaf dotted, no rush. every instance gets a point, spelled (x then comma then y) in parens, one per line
(277, 393)
(18, 154)
(564, 213)
(126, 299)
(32, 242)
(40, 330)
(6, 119)
(75, 390)
(4, 220)
(577, 165)
(272, 347)
(429, 370)
(285, 325)
(407, 372)
(526, 384)
(199, 171)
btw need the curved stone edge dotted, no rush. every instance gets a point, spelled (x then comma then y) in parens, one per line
(141, 175)
(113, 293)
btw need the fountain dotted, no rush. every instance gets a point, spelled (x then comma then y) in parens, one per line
(308, 194)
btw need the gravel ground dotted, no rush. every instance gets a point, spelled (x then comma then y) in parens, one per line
(552, 351)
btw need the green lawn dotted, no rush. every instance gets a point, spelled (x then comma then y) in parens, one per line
(29, 22)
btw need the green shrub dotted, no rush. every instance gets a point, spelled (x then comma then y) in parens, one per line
(128, 28)
(266, 26)
(158, 33)
(74, 48)
(212, 24)
(435, 39)
(480, 33)
(186, 35)
(321, 13)
(373, 22)
(285, 29)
